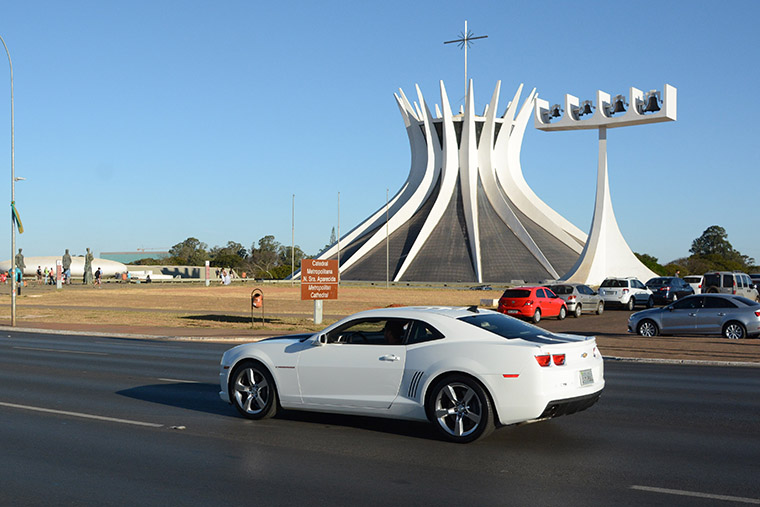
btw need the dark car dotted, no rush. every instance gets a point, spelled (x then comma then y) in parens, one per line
(666, 289)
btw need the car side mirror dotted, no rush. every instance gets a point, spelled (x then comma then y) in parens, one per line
(319, 340)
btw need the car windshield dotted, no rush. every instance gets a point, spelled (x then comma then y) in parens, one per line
(511, 328)
(561, 289)
(614, 283)
(516, 293)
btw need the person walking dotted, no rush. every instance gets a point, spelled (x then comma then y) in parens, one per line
(66, 264)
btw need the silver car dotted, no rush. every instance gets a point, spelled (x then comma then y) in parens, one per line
(732, 316)
(579, 298)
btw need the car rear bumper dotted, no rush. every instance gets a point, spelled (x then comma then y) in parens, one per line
(569, 406)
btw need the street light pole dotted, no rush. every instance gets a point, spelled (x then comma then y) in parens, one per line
(13, 198)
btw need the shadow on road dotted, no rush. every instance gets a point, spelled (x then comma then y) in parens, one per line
(188, 395)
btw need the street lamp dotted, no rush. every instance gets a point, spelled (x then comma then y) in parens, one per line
(13, 198)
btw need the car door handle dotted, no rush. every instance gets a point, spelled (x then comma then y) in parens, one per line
(692, 315)
(390, 357)
(721, 314)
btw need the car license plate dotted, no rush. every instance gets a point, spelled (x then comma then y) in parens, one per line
(511, 311)
(587, 377)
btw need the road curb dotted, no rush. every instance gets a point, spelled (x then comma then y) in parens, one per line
(690, 362)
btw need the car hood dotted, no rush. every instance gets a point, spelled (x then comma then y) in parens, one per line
(651, 312)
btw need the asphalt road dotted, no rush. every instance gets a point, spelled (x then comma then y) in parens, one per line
(106, 421)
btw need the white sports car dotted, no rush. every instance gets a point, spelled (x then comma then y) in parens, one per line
(467, 370)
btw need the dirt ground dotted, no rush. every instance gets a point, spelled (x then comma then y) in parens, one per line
(225, 313)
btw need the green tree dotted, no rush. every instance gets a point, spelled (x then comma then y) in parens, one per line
(234, 255)
(190, 252)
(265, 257)
(714, 248)
(651, 262)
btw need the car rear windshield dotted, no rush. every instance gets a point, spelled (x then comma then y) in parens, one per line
(516, 293)
(659, 281)
(614, 283)
(745, 301)
(692, 279)
(561, 289)
(512, 329)
(713, 279)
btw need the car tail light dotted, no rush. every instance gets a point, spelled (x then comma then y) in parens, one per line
(545, 360)
(570, 298)
(757, 313)
(528, 303)
(625, 291)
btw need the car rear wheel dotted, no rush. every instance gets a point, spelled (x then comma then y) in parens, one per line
(600, 308)
(734, 331)
(253, 391)
(647, 328)
(578, 310)
(537, 316)
(562, 313)
(631, 304)
(460, 409)
(650, 302)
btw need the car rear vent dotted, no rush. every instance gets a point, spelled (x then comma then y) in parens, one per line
(414, 384)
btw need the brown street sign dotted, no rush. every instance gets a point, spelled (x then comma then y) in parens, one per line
(319, 279)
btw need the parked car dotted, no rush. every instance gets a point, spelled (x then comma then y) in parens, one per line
(419, 364)
(626, 292)
(732, 316)
(729, 282)
(532, 303)
(695, 281)
(666, 289)
(578, 298)
(755, 277)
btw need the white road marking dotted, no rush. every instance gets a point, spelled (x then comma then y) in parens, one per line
(79, 414)
(63, 351)
(178, 380)
(727, 498)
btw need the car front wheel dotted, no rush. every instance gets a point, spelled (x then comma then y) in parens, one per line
(562, 313)
(647, 328)
(600, 308)
(631, 304)
(734, 331)
(460, 409)
(253, 391)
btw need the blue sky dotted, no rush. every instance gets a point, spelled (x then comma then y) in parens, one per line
(139, 124)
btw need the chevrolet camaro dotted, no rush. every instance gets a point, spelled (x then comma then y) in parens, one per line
(466, 370)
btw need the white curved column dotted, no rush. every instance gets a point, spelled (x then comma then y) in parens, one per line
(425, 167)
(510, 175)
(491, 186)
(449, 173)
(468, 176)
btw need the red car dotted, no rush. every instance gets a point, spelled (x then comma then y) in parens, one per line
(532, 303)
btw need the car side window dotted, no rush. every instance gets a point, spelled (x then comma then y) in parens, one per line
(370, 332)
(540, 293)
(637, 284)
(689, 303)
(422, 332)
(728, 280)
(713, 302)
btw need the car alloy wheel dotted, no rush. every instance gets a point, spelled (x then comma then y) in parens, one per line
(600, 308)
(734, 331)
(537, 316)
(631, 304)
(253, 391)
(647, 328)
(578, 310)
(460, 409)
(562, 313)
